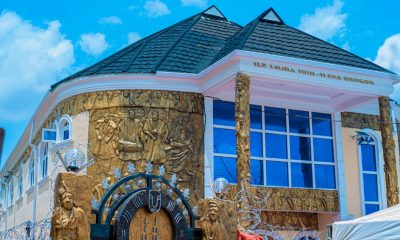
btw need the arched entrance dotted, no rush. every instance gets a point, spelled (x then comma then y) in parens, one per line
(155, 209)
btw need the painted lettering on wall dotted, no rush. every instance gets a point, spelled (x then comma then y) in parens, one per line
(313, 73)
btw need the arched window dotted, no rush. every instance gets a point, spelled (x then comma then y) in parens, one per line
(31, 174)
(64, 128)
(44, 159)
(370, 171)
(20, 181)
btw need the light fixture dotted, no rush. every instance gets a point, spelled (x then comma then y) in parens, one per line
(74, 160)
(363, 138)
(220, 185)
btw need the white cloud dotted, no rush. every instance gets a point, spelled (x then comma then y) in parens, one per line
(156, 8)
(31, 59)
(113, 20)
(388, 56)
(133, 37)
(93, 43)
(326, 22)
(197, 3)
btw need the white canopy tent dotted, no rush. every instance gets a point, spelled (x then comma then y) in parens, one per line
(384, 224)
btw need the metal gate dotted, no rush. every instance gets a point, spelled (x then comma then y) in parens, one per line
(123, 199)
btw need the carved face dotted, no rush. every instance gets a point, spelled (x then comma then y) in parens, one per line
(132, 114)
(154, 115)
(67, 201)
(213, 213)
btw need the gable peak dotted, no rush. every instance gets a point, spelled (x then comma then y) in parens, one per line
(271, 16)
(214, 11)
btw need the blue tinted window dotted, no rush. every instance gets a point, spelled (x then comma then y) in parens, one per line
(323, 150)
(275, 146)
(368, 157)
(370, 187)
(224, 141)
(300, 148)
(301, 175)
(275, 119)
(66, 135)
(325, 176)
(277, 174)
(255, 117)
(224, 113)
(256, 147)
(322, 124)
(299, 122)
(225, 168)
(256, 171)
(49, 135)
(371, 208)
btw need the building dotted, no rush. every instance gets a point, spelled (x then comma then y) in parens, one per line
(316, 115)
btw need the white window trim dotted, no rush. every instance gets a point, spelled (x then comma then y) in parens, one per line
(11, 192)
(48, 130)
(31, 170)
(208, 148)
(43, 155)
(60, 128)
(20, 184)
(210, 140)
(380, 172)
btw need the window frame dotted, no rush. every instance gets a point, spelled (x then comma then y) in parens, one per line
(62, 127)
(287, 134)
(11, 192)
(44, 159)
(20, 181)
(379, 172)
(31, 172)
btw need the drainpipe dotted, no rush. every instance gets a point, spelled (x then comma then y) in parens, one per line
(35, 158)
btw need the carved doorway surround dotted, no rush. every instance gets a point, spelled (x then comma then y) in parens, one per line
(153, 211)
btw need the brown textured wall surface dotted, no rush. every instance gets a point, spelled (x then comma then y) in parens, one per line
(360, 121)
(140, 126)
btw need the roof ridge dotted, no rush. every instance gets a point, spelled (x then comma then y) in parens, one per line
(354, 55)
(139, 43)
(176, 43)
(149, 38)
(248, 27)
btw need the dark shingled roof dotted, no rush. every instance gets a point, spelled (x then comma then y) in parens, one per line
(195, 43)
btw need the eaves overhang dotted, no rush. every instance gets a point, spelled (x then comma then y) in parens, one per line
(275, 80)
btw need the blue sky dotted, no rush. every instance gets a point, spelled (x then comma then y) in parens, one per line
(43, 41)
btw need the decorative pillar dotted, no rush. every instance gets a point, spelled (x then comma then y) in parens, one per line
(388, 146)
(242, 118)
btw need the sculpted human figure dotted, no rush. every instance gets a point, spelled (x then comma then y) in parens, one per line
(106, 131)
(213, 229)
(131, 144)
(155, 130)
(69, 221)
(181, 149)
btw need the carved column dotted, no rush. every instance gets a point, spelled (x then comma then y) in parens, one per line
(388, 145)
(242, 118)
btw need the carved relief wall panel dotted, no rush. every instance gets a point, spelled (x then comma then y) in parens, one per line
(162, 127)
(300, 220)
(293, 199)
